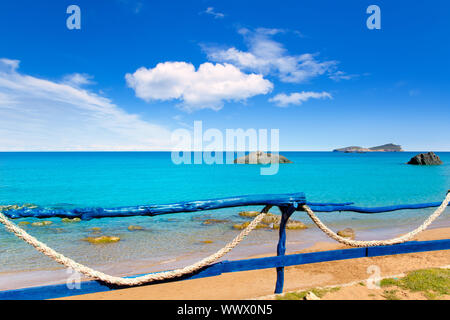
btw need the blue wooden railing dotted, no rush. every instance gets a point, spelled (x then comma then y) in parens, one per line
(287, 203)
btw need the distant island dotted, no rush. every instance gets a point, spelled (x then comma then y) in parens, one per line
(390, 147)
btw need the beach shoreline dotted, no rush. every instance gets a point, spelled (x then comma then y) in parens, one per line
(259, 283)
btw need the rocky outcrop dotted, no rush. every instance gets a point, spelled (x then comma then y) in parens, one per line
(390, 147)
(260, 157)
(347, 233)
(270, 221)
(429, 158)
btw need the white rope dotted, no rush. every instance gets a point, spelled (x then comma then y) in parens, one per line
(372, 243)
(69, 263)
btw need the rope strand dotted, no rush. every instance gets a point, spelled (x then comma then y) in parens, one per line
(372, 243)
(87, 271)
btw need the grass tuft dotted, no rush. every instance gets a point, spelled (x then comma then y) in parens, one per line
(432, 283)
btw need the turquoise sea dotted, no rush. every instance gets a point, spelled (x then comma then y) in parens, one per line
(108, 179)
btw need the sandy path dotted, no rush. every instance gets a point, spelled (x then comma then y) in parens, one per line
(252, 284)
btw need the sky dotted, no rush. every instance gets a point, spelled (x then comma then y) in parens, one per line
(138, 70)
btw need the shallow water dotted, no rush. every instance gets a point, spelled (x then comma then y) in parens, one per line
(133, 178)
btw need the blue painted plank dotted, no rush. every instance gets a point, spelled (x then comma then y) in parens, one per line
(409, 247)
(61, 290)
(153, 210)
(332, 208)
(328, 204)
(293, 259)
(93, 286)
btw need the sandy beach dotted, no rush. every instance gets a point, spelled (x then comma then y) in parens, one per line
(260, 283)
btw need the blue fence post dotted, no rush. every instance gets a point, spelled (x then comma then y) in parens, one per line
(286, 212)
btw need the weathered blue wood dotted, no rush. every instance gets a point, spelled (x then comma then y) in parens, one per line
(286, 213)
(409, 247)
(61, 290)
(211, 204)
(328, 203)
(93, 286)
(331, 208)
(153, 210)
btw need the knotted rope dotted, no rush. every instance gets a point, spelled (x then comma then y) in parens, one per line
(372, 243)
(69, 263)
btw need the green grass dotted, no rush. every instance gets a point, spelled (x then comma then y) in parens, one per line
(390, 295)
(431, 282)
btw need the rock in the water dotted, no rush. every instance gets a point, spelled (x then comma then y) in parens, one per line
(101, 240)
(135, 228)
(41, 223)
(214, 221)
(270, 221)
(429, 158)
(241, 226)
(249, 214)
(347, 233)
(70, 220)
(260, 157)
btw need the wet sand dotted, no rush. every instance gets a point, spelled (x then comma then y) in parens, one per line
(259, 283)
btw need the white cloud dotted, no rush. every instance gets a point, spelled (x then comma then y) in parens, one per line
(38, 114)
(297, 98)
(78, 79)
(340, 75)
(208, 87)
(216, 15)
(268, 56)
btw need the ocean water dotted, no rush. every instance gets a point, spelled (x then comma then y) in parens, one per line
(107, 179)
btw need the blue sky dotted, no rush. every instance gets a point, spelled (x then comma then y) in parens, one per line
(138, 70)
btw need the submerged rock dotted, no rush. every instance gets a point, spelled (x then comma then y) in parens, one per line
(41, 223)
(23, 223)
(30, 206)
(95, 229)
(249, 214)
(241, 226)
(260, 157)
(17, 207)
(429, 158)
(292, 225)
(214, 221)
(70, 220)
(101, 240)
(347, 233)
(135, 228)
(206, 241)
(270, 221)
